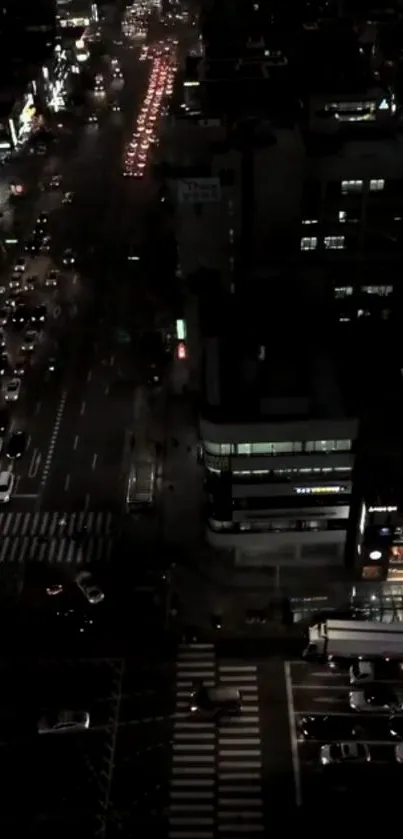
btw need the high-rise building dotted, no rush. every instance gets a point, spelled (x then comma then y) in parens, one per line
(27, 36)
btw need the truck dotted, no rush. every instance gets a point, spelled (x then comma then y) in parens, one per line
(140, 494)
(340, 639)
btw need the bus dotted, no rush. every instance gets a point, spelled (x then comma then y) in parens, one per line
(140, 495)
(340, 639)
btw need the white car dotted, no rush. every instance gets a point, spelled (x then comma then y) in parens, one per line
(334, 753)
(89, 588)
(361, 671)
(20, 266)
(64, 721)
(12, 390)
(2, 339)
(68, 198)
(51, 279)
(7, 480)
(30, 341)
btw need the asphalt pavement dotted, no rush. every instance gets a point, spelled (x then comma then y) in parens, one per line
(77, 418)
(317, 691)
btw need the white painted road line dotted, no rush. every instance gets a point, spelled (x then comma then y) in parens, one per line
(53, 439)
(94, 462)
(89, 377)
(293, 734)
(82, 411)
(76, 439)
(67, 483)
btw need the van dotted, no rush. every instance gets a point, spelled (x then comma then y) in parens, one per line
(215, 701)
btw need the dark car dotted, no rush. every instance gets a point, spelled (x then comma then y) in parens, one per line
(3, 363)
(4, 421)
(32, 245)
(32, 282)
(68, 258)
(325, 728)
(21, 316)
(3, 317)
(39, 314)
(16, 444)
(396, 727)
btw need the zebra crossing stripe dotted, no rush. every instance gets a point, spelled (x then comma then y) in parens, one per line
(55, 551)
(55, 524)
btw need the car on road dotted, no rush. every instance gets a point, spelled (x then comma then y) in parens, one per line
(16, 445)
(39, 314)
(21, 365)
(2, 339)
(29, 341)
(59, 722)
(68, 258)
(21, 315)
(116, 107)
(32, 245)
(55, 181)
(375, 699)
(45, 244)
(4, 362)
(4, 421)
(92, 119)
(215, 701)
(15, 282)
(52, 278)
(346, 753)
(41, 223)
(326, 727)
(89, 587)
(20, 265)
(7, 481)
(13, 300)
(31, 282)
(12, 390)
(68, 198)
(3, 317)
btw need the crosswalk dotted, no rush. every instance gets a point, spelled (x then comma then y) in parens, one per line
(216, 777)
(55, 524)
(74, 538)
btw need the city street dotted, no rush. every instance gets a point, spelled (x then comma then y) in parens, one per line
(77, 418)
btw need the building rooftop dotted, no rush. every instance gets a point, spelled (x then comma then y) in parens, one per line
(272, 368)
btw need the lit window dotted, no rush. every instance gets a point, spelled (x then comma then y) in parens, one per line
(376, 185)
(334, 243)
(309, 243)
(380, 290)
(309, 221)
(343, 291)
(351, 186)
(328, 446)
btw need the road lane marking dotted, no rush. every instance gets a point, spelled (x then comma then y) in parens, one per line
(86, 502)
(106, 390)
(89, 377)
(26, 495)
(76, 439)
(82, 408)
(94, 461)
(34, 464)
(67, 482)
(38, 408)
(293, 734)
(53, 439)
(111, 360)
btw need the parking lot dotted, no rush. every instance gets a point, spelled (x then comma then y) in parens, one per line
(62, 778)
(315, 691)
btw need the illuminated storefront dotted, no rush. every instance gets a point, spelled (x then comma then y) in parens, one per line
(380, 542)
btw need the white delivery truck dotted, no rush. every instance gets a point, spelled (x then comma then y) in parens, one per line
(339, 639)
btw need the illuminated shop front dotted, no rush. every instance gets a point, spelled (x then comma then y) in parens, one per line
(27, 119)
(380, 542)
